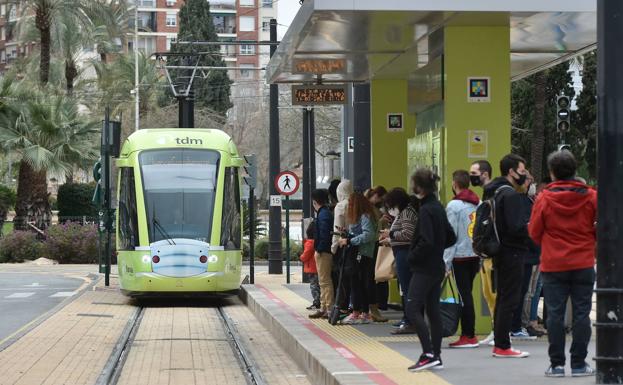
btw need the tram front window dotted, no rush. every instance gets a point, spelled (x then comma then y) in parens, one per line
(179, 187)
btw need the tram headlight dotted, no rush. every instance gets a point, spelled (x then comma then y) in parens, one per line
(203, 259)
(155, 259)
(213, 259)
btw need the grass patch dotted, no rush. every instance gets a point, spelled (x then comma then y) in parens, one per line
(7, 227)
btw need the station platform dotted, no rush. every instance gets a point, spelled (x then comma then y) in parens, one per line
(369, 354)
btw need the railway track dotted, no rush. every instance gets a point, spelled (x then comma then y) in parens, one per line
(116, 362)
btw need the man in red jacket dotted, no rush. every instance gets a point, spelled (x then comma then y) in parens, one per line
(563, 223)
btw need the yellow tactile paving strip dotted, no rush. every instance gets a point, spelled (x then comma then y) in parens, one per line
(72, 346)
(391, 363)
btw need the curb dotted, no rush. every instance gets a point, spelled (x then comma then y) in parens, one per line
(322, 362)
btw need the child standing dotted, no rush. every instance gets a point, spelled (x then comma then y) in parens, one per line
(309, 266)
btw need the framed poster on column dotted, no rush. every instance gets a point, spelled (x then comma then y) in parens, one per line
(477, 144)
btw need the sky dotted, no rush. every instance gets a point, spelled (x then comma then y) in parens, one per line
(287, 10)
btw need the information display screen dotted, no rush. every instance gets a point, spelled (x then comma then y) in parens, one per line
(315, 95)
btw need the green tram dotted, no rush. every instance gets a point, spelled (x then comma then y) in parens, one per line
(179, 223)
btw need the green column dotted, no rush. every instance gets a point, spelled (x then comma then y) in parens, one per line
(389, 145)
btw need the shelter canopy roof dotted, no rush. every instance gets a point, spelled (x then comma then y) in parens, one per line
(385, 39)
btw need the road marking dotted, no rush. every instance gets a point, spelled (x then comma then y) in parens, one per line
(63, 294)
(35, 284)
(20, 295)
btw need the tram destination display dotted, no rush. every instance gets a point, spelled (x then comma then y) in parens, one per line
(318, 95)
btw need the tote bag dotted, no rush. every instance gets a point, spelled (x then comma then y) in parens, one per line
(450, 309)
(385, 268)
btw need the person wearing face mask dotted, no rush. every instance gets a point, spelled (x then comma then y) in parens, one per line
(480, 174)
(399, 236)
(461, 258)
(433, 234)
(322, 247)
(512, 227)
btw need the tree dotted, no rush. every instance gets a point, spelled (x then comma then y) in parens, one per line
(46, 132)
(584, 120)
(196, 24)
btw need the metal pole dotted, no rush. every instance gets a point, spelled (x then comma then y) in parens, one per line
(136, 83)
(275, 261)
(252, 235)
(288, 239)
(307, 208)
(312, 153)
(609, 290)
(106, 176)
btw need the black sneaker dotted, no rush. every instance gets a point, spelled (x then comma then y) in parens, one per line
(426, 361)
(313, 306)
(439, 366)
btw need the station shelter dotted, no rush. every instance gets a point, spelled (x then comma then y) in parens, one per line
(428, 81)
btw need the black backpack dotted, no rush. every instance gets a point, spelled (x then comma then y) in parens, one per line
(485, 239)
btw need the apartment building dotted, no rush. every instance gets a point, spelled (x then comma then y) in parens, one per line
(10, 47)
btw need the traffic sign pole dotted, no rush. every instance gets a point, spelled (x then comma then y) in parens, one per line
(287, 183)
(287, 239)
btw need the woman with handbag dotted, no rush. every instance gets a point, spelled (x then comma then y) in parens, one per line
(433, 234)
(362, 233)
(399, 237)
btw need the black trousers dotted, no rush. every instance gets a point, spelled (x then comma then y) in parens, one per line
(362, 285)
(509, 269)
(557, 288)
(424, 294)
(525, 285)
(464, 273)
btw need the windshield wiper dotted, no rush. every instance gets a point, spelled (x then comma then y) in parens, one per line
(156, 225)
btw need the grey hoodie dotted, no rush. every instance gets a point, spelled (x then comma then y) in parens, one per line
(344, 189)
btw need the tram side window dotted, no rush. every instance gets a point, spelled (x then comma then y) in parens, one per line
(230, 223)
(128, 219)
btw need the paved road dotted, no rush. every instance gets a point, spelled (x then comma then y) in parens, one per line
(25, 295)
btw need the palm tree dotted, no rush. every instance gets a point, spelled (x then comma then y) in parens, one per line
(47, 132)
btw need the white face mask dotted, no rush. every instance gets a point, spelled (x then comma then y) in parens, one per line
(532, 190)
(393, 212)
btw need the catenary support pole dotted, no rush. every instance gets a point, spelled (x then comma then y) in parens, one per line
(275, 264)
(251, 235)
(307, 210)
(106, 169)
(312, 152)
(609, 290)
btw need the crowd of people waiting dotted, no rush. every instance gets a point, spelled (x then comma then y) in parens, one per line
(546, 237)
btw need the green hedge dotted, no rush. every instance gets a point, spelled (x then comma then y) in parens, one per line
(74, 200)
(262, 244)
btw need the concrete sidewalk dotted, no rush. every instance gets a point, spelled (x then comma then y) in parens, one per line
(369, 354)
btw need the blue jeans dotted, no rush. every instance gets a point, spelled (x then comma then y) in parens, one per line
(534, 305)
(404, 272)
(557, 288)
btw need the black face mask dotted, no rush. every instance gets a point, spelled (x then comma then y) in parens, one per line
(521, 180)
(475, 180)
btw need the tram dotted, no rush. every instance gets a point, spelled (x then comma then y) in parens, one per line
(179, 222)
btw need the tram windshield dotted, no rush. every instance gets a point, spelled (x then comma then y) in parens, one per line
(179, 187)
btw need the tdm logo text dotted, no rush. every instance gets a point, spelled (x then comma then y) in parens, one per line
(188, 140)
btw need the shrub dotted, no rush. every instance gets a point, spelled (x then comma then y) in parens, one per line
(72, 242)
(74, 201)
(261, 248)
(7, 200)
(262, 245)
(20, 246)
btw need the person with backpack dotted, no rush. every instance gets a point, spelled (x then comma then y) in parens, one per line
(563, 222)
(480, 174)
(511, 238)
(460, 258)
(433, 234)
(322, 247)
(309, 266)
(399, 236)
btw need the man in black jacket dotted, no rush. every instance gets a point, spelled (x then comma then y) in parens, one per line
(513, 232)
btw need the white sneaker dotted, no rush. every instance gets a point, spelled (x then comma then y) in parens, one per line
(489, 340)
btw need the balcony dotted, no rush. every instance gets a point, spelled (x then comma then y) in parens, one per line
(222, 4)
(225, 24)
(146, 22)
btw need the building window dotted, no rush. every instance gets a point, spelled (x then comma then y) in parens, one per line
(171, 3)
(2, 10)
(171, 19)
(246, 71)
(247, 3)
(147, 3)
(247, 23)
(2, 56)
(267, 3)
(3, 33)
(266, 24)
(170, 41)
(247, 49)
